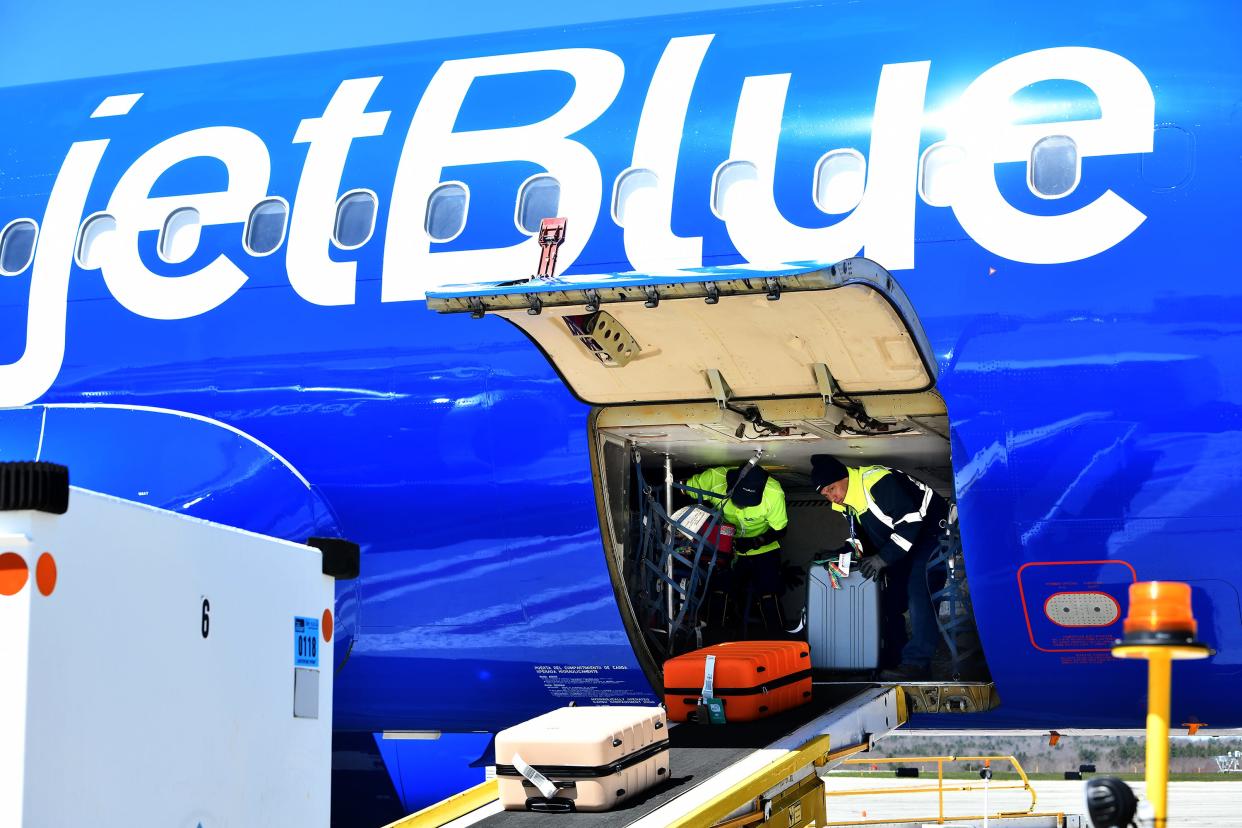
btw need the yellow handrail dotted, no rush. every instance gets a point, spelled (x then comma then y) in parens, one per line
(940, 786)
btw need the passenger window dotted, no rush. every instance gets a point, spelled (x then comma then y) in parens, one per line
(539, 198)
(629, 183)
(938, 171)
(446, 211)
(839, 180)
(265, 229)
(179, 236)
(1172, 159)
(93, 241)
(17, 246)
(355, 219)
(729, 175)
(1054, 169)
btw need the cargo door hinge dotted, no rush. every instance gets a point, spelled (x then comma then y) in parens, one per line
(828, 389)
(825, 383)
(720, 388)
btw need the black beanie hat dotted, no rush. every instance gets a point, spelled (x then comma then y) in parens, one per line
(749, 492)
(826, 469)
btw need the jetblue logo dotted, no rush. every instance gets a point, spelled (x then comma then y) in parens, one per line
(878, 221)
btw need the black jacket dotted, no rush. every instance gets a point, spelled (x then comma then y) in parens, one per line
(893, 523)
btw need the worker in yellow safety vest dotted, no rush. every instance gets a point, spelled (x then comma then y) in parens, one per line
(754, 503)
(895, 522)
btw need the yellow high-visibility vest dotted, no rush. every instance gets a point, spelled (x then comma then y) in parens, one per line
(749, 521)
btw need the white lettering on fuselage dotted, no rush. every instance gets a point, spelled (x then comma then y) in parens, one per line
(650, 244)
(34, 372)
(158, 297)
(315, 276)
(1125, 125)
(882, 223)
(431, 145)
(879, 222)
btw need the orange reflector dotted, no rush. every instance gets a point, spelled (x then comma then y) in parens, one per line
(326, 626)
(1160, 606)
(45, 573)
(13, 573)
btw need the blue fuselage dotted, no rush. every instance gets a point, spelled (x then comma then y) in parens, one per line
(1089, 343)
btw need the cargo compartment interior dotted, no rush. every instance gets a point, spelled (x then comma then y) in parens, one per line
(699, 369)
(903, 431)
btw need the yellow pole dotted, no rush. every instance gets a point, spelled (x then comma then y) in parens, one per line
(1159, 682)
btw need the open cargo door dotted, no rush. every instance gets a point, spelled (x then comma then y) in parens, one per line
(716, 333)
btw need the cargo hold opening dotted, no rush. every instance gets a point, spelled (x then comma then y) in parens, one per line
(907, 432)
(702, 368)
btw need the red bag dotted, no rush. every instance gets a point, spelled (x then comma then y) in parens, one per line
(754, 679)
(692, 518)
(721, 537)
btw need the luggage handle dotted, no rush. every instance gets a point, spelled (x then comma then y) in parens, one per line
(550, 805)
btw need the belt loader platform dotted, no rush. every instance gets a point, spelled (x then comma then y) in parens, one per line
(736, 774)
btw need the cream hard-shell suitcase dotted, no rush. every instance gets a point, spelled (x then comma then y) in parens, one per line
(582, 758)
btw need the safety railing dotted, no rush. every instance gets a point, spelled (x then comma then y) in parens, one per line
(940, 788)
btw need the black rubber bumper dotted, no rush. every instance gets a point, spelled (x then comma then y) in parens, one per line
(341, 558)
(43, 487)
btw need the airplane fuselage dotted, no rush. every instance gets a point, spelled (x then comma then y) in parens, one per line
(1085, 319)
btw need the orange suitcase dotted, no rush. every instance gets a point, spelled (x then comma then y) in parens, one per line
(753, 679)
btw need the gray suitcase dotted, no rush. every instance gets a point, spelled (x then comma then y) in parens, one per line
(843, 625)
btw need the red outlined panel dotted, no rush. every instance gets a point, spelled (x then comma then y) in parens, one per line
(1040, 582)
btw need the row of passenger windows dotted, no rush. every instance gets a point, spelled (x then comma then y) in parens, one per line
(539, 198)
(264, 232)
(353, 225)
(1053, 170)
(840, 178)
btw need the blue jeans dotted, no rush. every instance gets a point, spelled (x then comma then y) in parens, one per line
(908, 587)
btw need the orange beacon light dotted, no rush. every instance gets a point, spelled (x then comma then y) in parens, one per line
(1160, 614)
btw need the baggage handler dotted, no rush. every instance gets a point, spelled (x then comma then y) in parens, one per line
(757, 511)
(900, 519)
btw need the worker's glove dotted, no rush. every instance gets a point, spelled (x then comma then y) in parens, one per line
(871, 566)
(745, 544)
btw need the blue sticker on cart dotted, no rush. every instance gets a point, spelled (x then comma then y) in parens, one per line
(305, 642)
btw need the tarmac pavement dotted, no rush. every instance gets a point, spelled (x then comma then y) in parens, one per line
(1197, 804)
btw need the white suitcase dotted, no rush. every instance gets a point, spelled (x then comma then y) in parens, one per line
(581, 758)
(843, 625)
